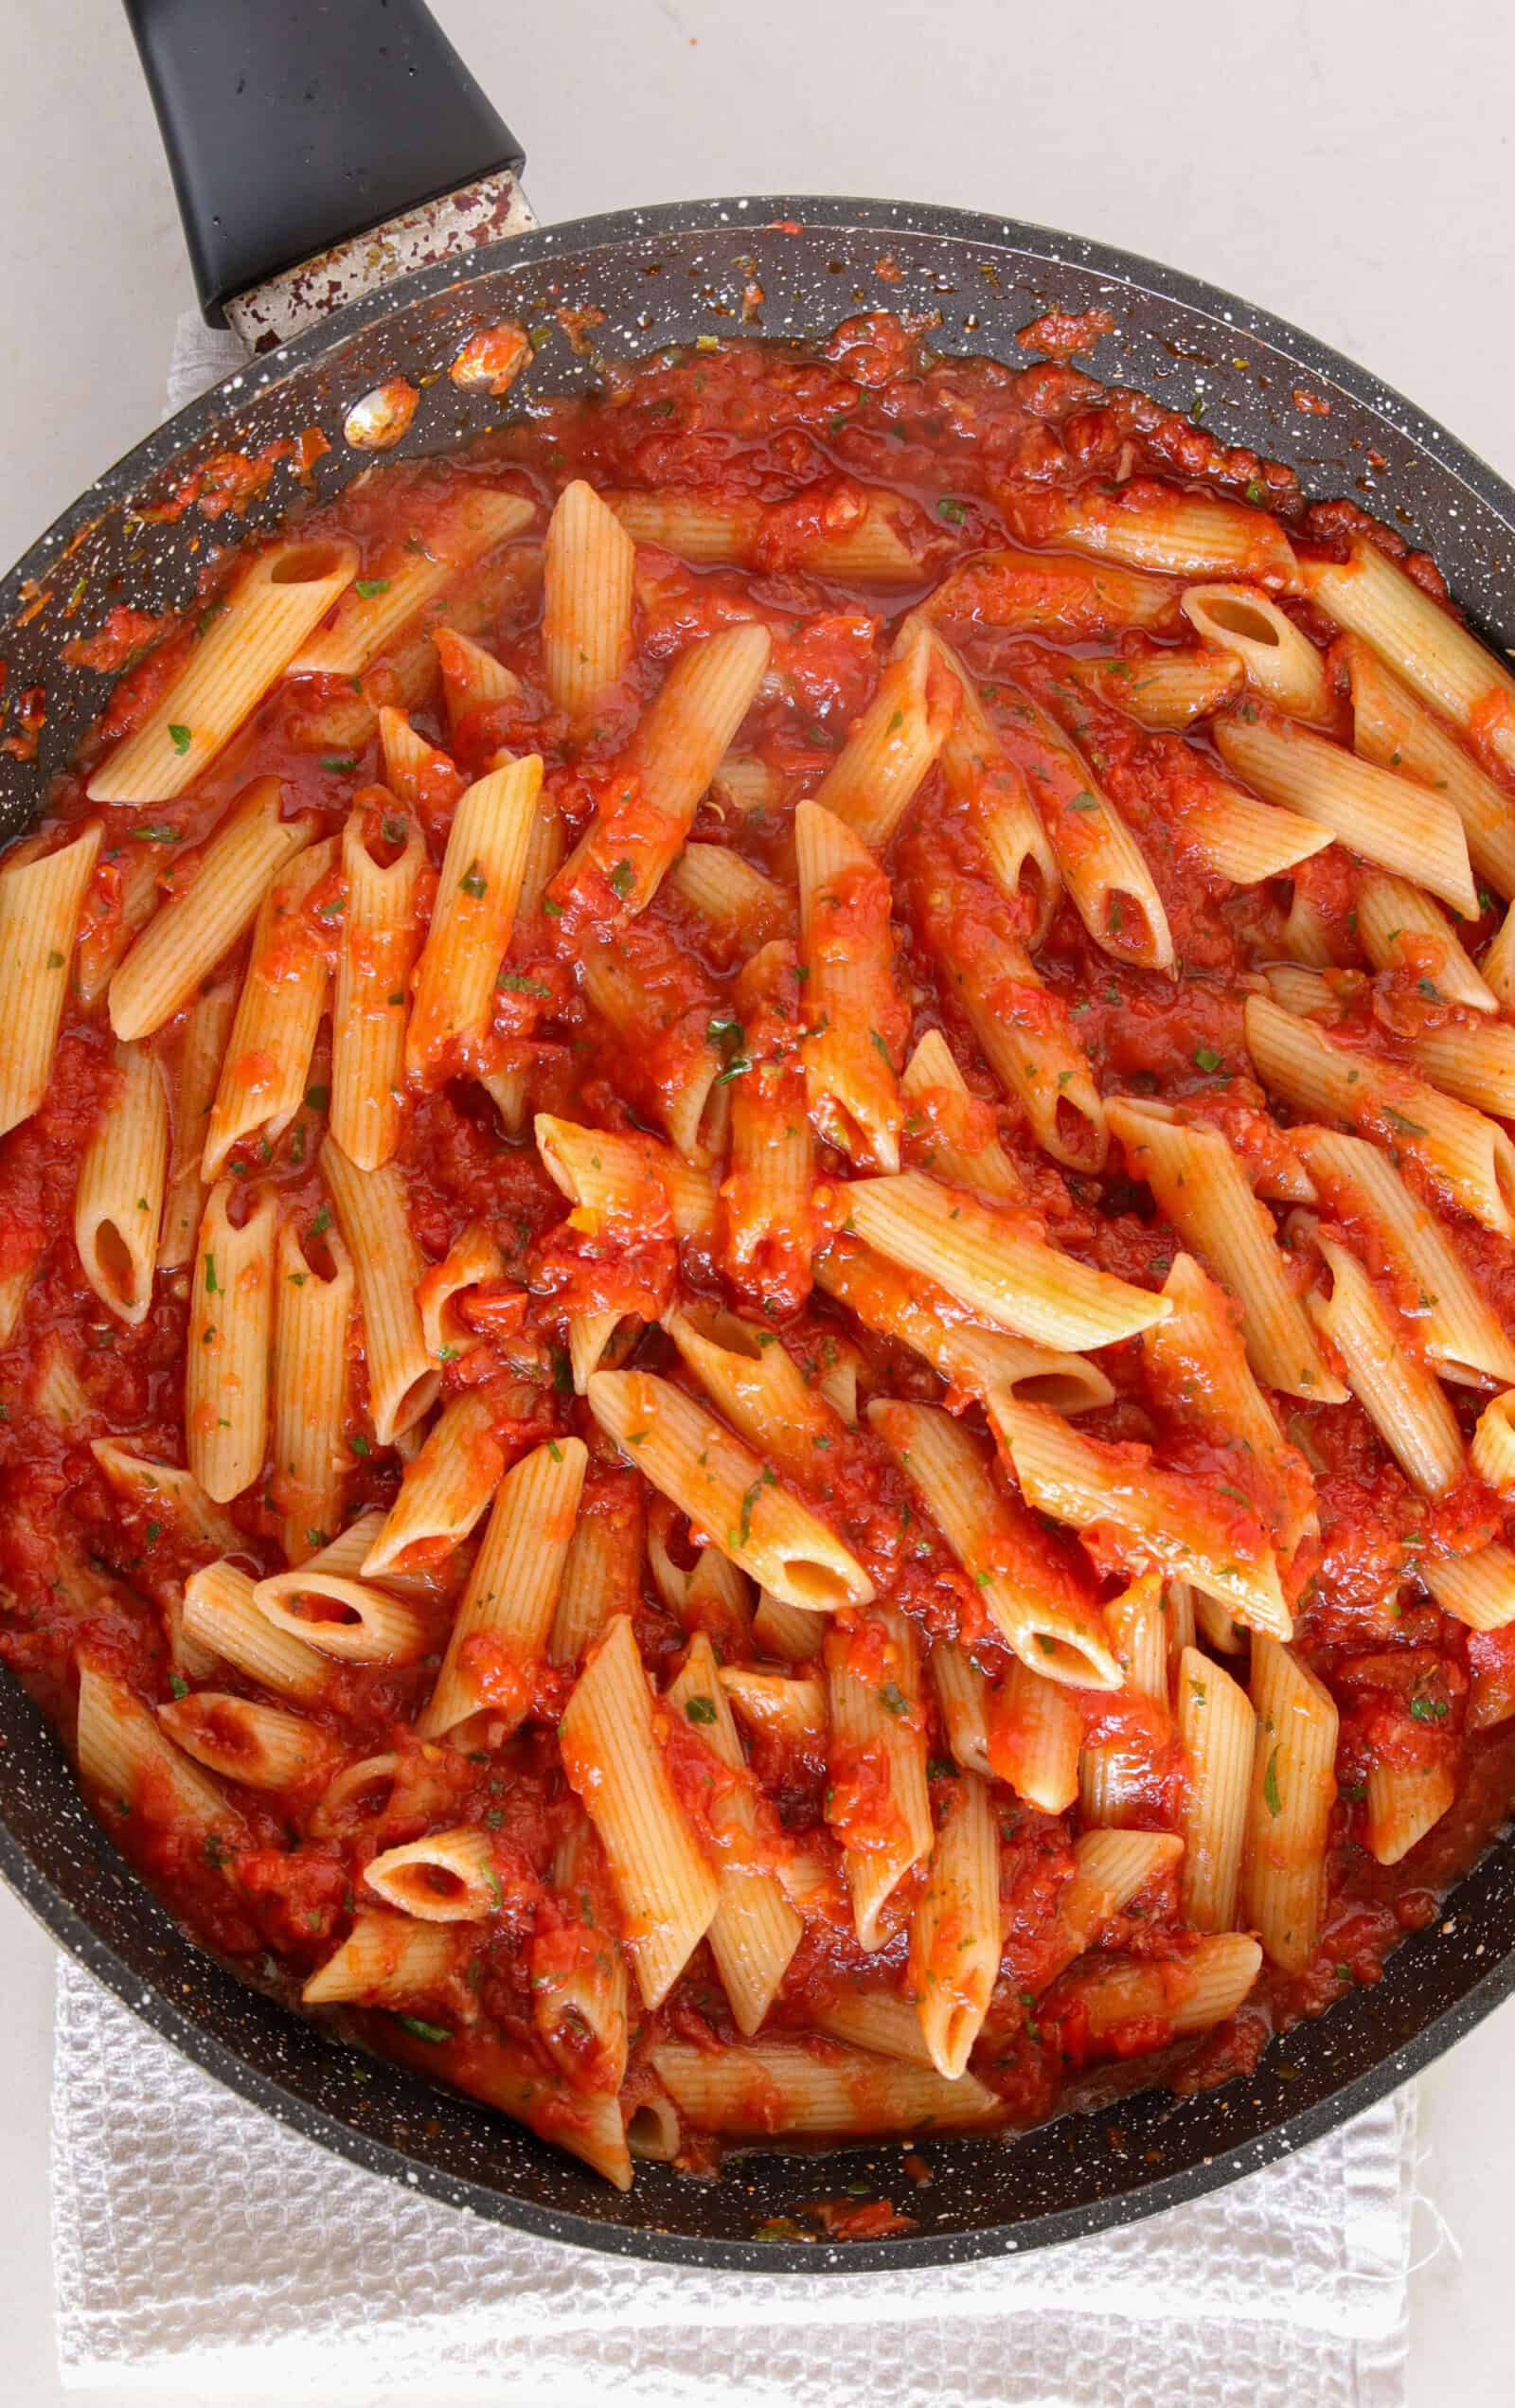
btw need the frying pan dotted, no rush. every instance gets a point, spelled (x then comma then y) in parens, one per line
(268, 175)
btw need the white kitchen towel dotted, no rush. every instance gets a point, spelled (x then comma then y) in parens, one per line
(201, 2246)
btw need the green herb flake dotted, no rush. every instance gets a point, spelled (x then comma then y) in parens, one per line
(1269, 1786)
(360, 1444)
(55, 961)
(158, 833)
(623, 877)
(955, 512)
(322, 1221)
(418, 2030)
(369, 587)
(178, 1685)
(212, 1289)
(1397, 1121)
(340, 764)
(474, 882)
(1205, 1057)
(179, 738)
(700, 1709)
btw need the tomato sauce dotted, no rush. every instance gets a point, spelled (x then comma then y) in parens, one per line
(962, 449)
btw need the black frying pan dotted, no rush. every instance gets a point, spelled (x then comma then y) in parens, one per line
(659, 274)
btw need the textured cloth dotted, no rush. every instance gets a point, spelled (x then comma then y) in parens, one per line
(200, 2244)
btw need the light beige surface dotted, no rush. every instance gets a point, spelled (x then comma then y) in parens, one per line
(1347, 166)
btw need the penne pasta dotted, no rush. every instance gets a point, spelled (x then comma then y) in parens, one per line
(1149, 525)
(471, 919)
(852, 1007)
(1470, 1158)
(729, 1494)
(602, 1570)
(1405, 827)
(311, 1318)
(981, 776)
(794, 1712)
(668, 1889)
(40, 905)
(1292, 1790)
(878, 773)
(166, 1493)
(377, 608)
(499, 1637)
(448, 1876)
(445, 1488)
(265, 616)
(740, 904)
(1217, 1732)
(586, 621)
(772, 2087)
(386, 1960)
(1035, 1731)
(877, 1803)
(1491, 1455)
(955, 1936)
(263, 1747)
(1277, 660)
(376, 953)
(769, 1222)
(620, 1175)
(220, 1616)
(126, 1758)
(1476, 1589)
(983, 1260)
(196, 926)
(1404, 1803)
(1202, 1190)
(962, 1701)
(1187, 1994)
(195, 1069)
(1107, 878)
(226, 1363)
(1391, 729)
(1169, 1521)
(1449, 669)
(1167, 689)
(947, 1125)
(118, 1202)
(344, 1618)
(1402, 929)
(370, 1212)
(1406, 1405)
(623, 856)
(1027, 1590)
(267, 1064)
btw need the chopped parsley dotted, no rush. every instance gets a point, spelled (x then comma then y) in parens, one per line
(474, 882)
(700, 1709)
(369, 586)
(1205, 1057)
(179, 738)
(418, 2030)
(1269, 1786)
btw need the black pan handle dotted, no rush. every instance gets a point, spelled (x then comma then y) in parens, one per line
(292, 125)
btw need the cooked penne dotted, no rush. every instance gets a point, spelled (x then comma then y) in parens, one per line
(377, 608)
(602, 1570)
(1025, 1030)
(618, 1174)
(370, 1211)
(197, 925)
(130, 1761)
(344, 1618)
(1187, 1994)
(948, 1126)
(1109, 1770)
(793, 1711)
(1035, 1731)
(741, 904)
(1477, 1589)
(669, 1891)
(634, 983)
(1406, 1405)
(1105, 877)
(1292, 1791)
(1403, 1802)
(1276, 658)
(112, 919)
(118, 1202)
(1217, 1732)
(902, 1304)
(475, 1261)
(877, 1803)
(1052, 594)
(770, 2087)
(195, 1069)
(1462, 1333)
(419, 776)
(260, 1746)
(1243, 840)
(623, 856)
(445, 1488)
(791, 1632)
(1402, 929)
(220, 1616)
(500, 1633)
(1473, 1061)
(1492, 1452)
(1465, 1155)
(376, 952)
(1202, 1190)
(168, 1494)
(267, 1062)
(1109, 1869)
(1016, 1281)
(471, 919)
(1149, 526)
(448, 1876)
(226, 1363)
(955, 1936)
(757, 1387)
(312, 1314)
(1027, 1590)
(1430, 650)
(1170, 689)
(770, 1223)
(962, 1701)
(728, 1493)
(1175, 1522)
(1405, 828)
(754, 1932)
(864, 542)
(264, 618)
(386, 1960)
(40, 904)
(579, 1992)
(472, 679)
(1390, 728)
(851, 1006)
(981, 776)
(1197, 1370)
(878, 771)
(586, 622)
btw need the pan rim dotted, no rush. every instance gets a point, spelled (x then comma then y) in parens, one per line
(156, 2006)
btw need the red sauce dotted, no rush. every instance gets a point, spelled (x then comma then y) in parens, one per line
(808, 444)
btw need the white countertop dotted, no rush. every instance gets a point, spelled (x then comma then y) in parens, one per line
(1347, 166)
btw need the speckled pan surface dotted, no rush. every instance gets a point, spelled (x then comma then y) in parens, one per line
(671, 275)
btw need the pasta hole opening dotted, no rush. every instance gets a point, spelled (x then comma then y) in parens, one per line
(1062, 1659)
(428, 1884)
(652, 2131)
(112, 1257)
(307, 564)
(816, 1585)
(957, 2040)
(416, 1399)
(1080, 1137)
(308, 1605)
(1128, 929)
(1062, 1390)
(1246, 619)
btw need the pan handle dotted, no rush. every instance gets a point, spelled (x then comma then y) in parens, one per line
(292, 125)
